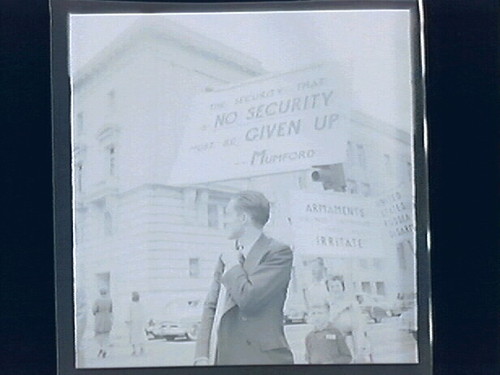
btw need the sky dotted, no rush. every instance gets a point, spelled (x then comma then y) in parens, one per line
(375, 43)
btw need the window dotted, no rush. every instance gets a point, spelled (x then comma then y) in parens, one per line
(406, 254)
(216, 208)
(111, 99)
(107, 137)
(111, 155)
(81, 226)
(79, 123)
(213, 216)
(363, 263)
(409, 170)
(366, 287)
(194, 268)
(361, 156)
(380, 285)
(401, 255)
(350, 153)
(387, 163)
(108, 224)
(79, 230)
(352, 186)
(365, 189)
(79, 172)
(409, 246)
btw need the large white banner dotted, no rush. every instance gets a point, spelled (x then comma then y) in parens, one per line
(336, 224)
(272, 124)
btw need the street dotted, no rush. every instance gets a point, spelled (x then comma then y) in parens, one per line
(389, 345)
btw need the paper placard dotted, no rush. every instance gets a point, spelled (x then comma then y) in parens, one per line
(275, 124)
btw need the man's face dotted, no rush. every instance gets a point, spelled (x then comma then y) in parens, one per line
(317, 270)
(234, 221)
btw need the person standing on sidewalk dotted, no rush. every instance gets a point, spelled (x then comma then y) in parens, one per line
(81, 324)
(136, 324)
(103, 321)
(325, 344)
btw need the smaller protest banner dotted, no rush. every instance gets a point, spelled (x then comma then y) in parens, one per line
(336, 224)
(397, 212)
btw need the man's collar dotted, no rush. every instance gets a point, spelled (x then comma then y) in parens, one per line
(246, 247)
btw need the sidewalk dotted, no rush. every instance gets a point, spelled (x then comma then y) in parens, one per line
(389, 343)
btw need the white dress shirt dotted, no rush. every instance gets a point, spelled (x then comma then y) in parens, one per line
(221, 300)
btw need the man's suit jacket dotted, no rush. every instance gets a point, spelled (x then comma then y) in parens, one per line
(251, 326)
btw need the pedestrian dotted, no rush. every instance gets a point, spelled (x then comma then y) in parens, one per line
(315, 292)
(103, 321)
(325, 344)
(81, 324)
(242, 321)
(136, 324)
(346, 316)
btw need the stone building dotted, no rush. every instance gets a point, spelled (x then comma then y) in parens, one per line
(135, 232)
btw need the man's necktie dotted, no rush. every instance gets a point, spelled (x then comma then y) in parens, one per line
(219, 309)
(240, 248)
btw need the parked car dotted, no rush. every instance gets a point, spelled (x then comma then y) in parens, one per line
(168, 330)
(181, 320)
(294, 314)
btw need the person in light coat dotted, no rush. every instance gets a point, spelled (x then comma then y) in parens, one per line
(103, 321)
(136, 324)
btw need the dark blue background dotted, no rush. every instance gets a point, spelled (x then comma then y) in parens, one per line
(463, 112)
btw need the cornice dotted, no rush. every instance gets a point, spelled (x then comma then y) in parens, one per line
(165, 32)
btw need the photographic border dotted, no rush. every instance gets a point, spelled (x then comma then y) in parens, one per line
(63, 215)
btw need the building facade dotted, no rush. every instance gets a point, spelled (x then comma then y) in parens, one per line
(134, 232)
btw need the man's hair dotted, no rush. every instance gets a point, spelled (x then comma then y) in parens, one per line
(332, 278)
(255, 204)
(318, 260)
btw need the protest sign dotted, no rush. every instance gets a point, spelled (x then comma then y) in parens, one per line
(336, 224)
(272, 124)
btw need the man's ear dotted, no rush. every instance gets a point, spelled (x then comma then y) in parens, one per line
(244, 217)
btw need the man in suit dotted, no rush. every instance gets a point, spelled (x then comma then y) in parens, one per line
(242, 322)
